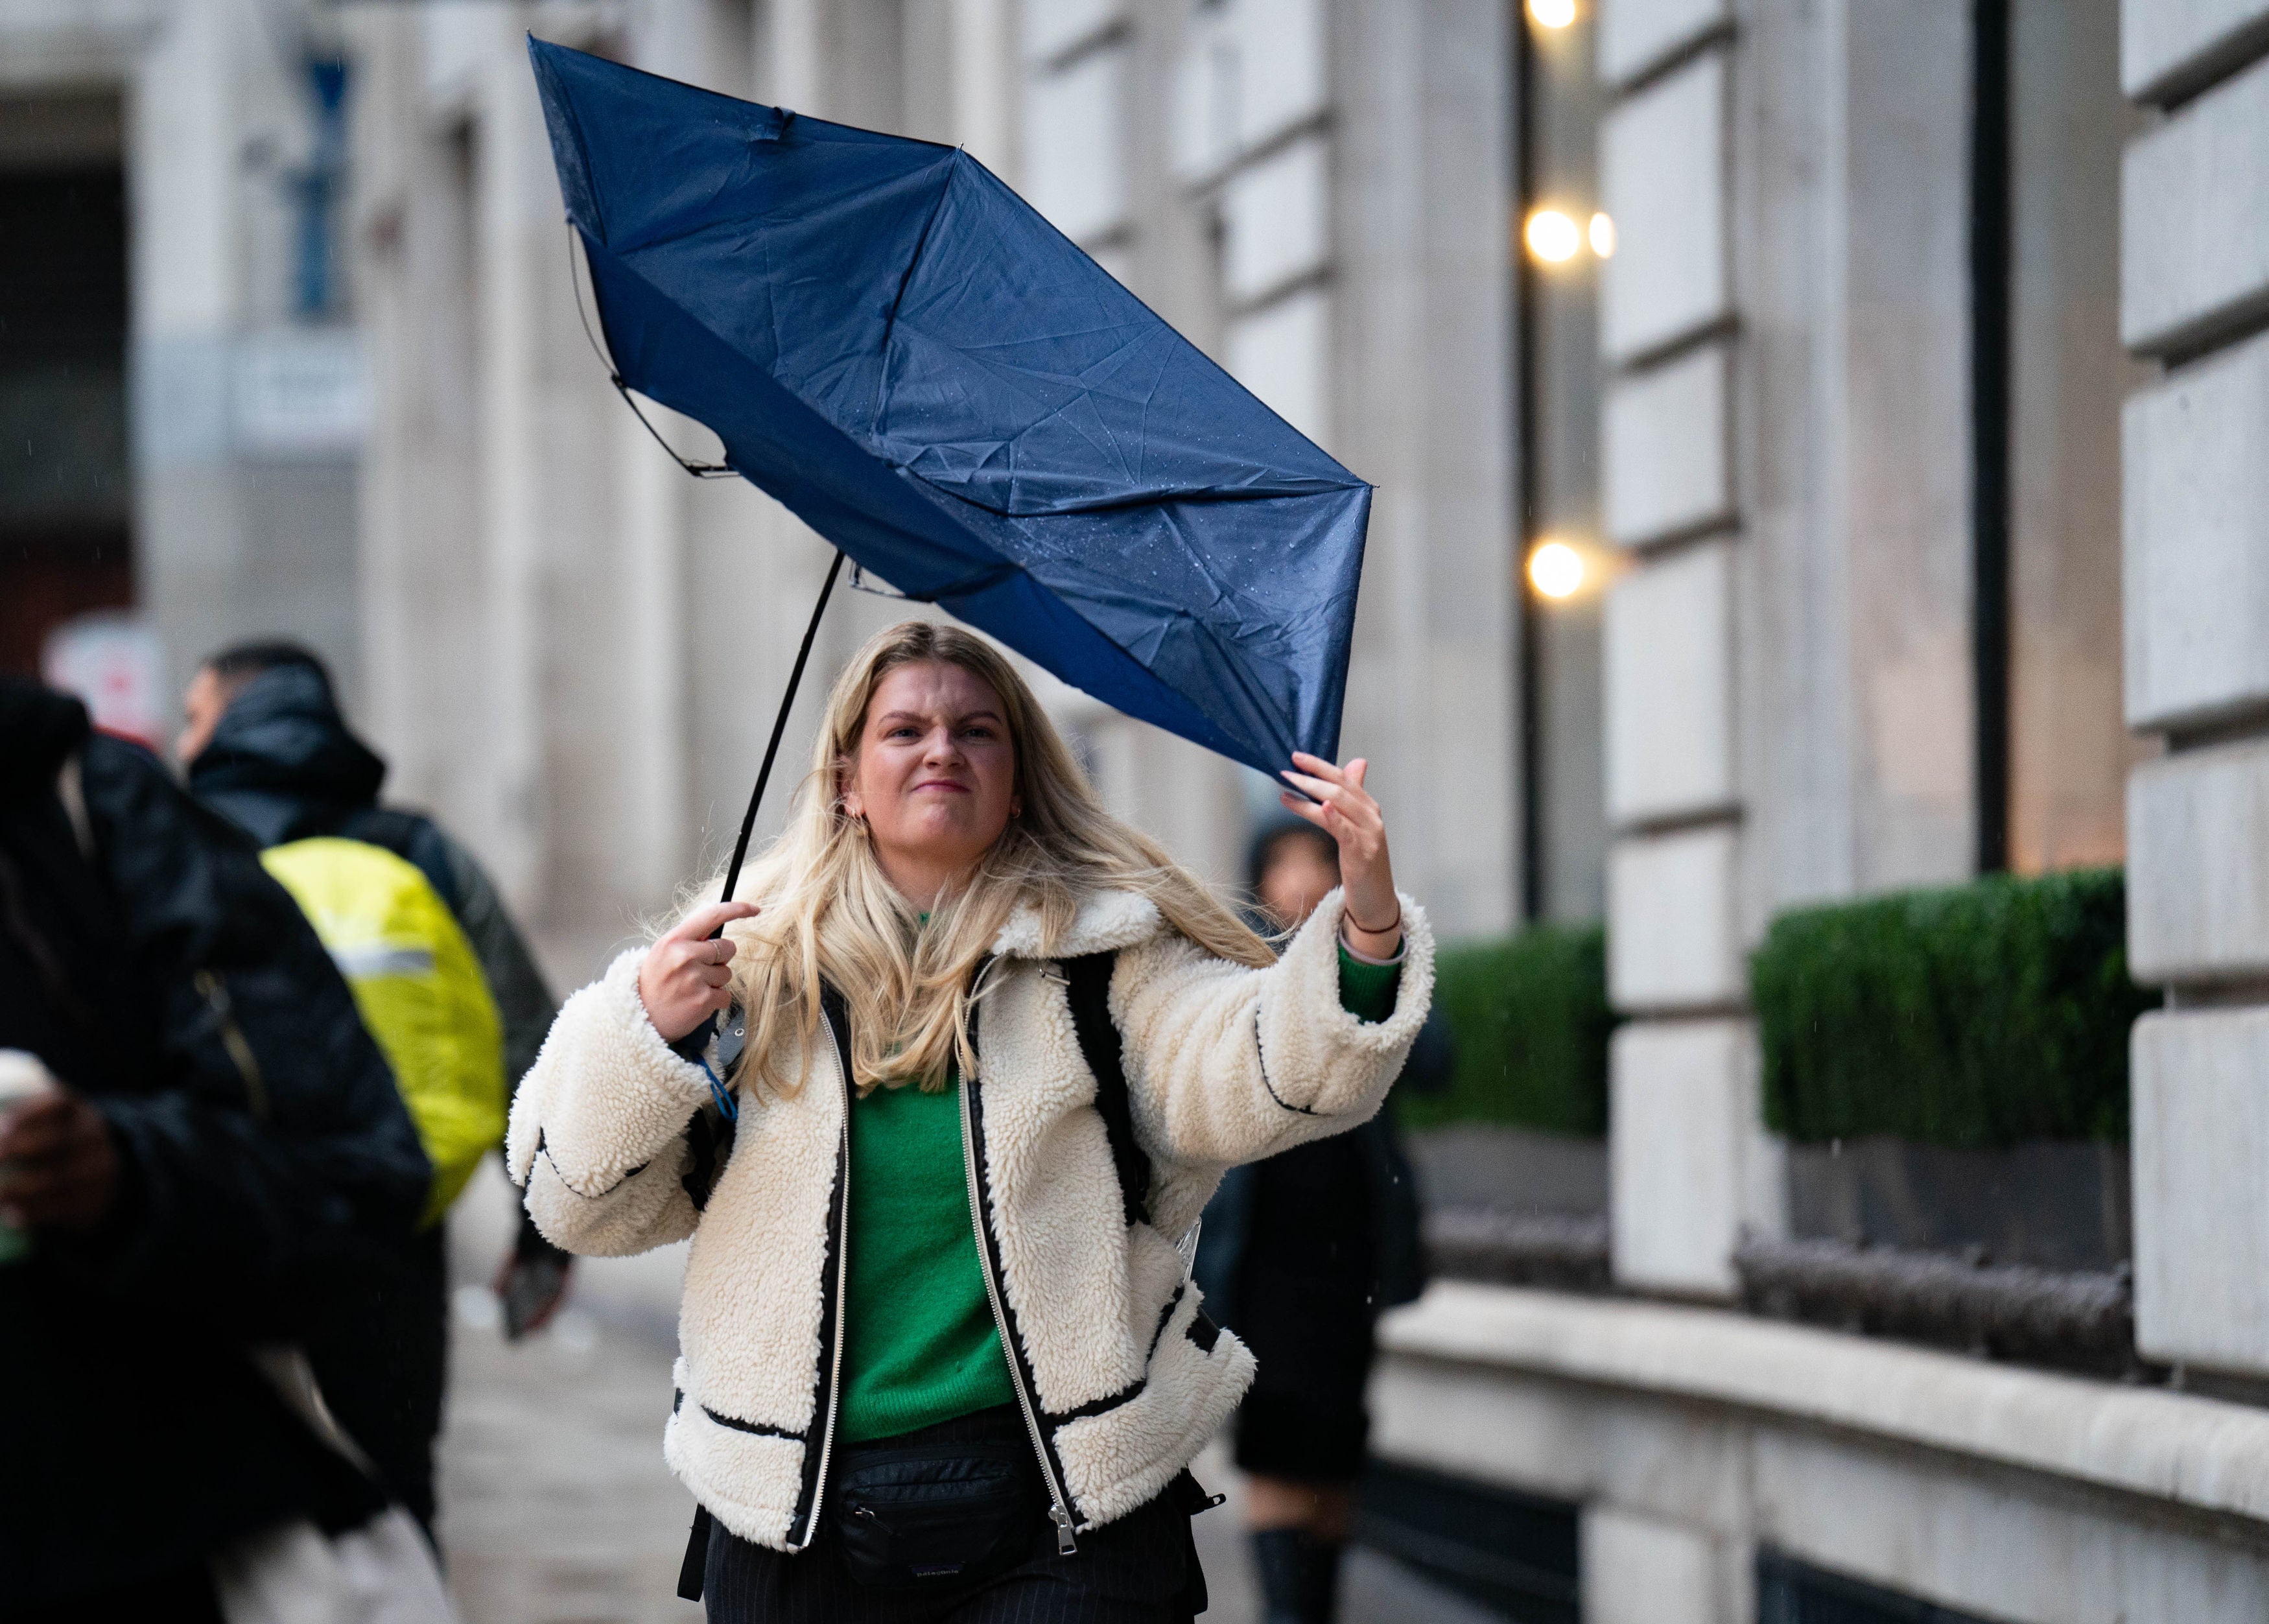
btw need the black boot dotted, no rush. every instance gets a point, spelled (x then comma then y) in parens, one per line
(1299, 1576)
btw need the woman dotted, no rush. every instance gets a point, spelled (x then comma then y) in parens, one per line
(931, 1368)
(1300, 1253)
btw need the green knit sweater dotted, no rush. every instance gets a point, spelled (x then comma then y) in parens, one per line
(920, 1343)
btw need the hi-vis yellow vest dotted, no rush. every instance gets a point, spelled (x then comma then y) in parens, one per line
(420, 990)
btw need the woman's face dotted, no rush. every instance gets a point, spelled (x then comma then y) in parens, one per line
(934, 775)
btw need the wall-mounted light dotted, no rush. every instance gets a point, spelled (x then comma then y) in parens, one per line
(1551, 235)
(1555, 570)
(1551, 14)
(1602, 234)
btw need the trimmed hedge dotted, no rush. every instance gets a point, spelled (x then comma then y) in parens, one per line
(1530, 1012)
(1973, 1017)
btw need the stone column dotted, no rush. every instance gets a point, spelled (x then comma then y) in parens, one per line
(2195, 279)
(518, 217)
(792, 68)
(708, 43)
(184, 281)
(1688, 1162)
(1640, 1568)
(426, 673)
(983, 59)
(1418, 397)
(243, 511)
(1786, 458)
(652, 843)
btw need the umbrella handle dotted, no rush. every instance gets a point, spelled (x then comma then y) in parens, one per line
(779, 725)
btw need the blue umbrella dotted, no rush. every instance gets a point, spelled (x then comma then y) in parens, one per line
(899, 349)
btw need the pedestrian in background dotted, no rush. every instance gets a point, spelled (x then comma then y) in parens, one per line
(991, 1049)
(211, 1152)
(265, 744)
(1298, 1255)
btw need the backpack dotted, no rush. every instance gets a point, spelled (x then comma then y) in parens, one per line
(419, 989)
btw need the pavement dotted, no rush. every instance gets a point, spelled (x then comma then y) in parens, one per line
(557, 1509)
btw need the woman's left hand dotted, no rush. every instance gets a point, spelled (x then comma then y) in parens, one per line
(1343, 809)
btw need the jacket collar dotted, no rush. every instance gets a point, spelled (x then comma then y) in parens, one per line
(283, 762)
(1106, 920)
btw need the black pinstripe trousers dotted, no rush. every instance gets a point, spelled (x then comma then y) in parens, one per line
(1128, 1572)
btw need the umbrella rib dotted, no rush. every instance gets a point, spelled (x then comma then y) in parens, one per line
(699, 471)
(906, 281)
(1140, 500)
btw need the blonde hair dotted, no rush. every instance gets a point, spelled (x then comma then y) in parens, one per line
(830, 916)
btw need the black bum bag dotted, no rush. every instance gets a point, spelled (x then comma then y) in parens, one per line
(911, 1513)
(953, 1503)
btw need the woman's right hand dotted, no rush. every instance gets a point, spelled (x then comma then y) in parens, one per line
(686, 978)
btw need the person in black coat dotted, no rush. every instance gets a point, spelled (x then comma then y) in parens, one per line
(267, 748)
(224, 1161)
(1298, 1255)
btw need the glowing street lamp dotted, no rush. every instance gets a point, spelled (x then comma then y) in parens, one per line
(1555, 570)
(1551, 235)
(1602, 234)
(1552, 13)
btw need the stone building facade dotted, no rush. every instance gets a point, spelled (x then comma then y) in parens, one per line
(1895, 382)
(1924, 459)
(182, 367)
(181, 370)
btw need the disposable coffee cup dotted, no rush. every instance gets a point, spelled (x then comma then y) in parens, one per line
(21, 1076)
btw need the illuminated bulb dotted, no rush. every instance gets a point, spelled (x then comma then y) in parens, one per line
(1555, 570)
(1552, 13)
(1553, 236)
(1603, 236)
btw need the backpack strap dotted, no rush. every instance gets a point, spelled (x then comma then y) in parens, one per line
(411, 836)
(1088, 979)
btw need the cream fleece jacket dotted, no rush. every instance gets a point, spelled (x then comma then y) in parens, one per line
(1224, 1064)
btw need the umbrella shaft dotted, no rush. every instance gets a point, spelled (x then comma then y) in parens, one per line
(779, 725)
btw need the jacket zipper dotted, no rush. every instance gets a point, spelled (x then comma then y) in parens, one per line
(842, 1283)
(214, 993)
(1059, 1510)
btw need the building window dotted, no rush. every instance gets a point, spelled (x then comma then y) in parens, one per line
(65, 493)
(2052, 377)
(1560, 240)
(1074, 124)
(1250, 97)
(1789, 1592)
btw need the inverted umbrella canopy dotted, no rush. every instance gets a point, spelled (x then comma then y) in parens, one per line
(899, 349)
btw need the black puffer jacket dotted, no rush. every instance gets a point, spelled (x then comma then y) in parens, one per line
(267, 1165)
(284, 766)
